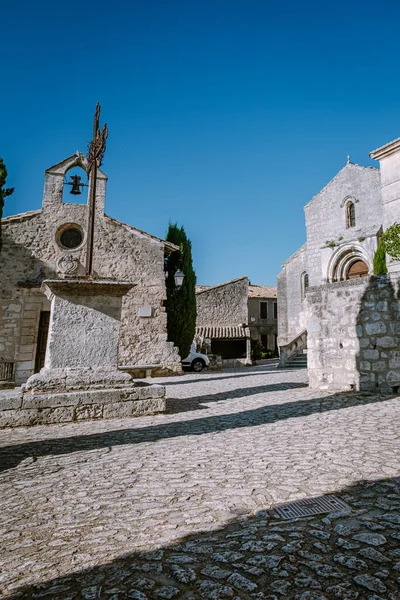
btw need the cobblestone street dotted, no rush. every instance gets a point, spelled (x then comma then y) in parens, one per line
(176, 505)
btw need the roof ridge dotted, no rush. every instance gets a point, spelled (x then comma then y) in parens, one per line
(154, 237)
(212, 287)
(346, 166)
(25, 215)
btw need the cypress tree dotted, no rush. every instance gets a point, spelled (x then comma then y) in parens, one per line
(380, 260)
(4, 192)
(181, 302)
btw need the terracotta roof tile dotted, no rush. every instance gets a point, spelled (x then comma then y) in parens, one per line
(262, 291)
(232, 332)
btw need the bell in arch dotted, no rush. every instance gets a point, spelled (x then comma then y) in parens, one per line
(75, 185)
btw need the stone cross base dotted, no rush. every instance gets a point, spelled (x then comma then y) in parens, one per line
(21, 408)
(81, 379)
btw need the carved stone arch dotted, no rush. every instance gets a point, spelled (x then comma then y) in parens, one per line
(342, 260)
(348, 199)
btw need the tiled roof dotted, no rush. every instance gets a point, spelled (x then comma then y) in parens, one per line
(232, 332)
(262, 291)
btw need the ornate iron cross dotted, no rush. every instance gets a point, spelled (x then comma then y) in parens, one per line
(95, 155)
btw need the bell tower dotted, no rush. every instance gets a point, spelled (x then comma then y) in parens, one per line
(55, 179)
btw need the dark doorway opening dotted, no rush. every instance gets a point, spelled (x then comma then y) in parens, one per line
(42, 340)
(229, 348)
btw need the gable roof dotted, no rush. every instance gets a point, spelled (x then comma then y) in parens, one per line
(349, 165)
(172, 247)
(200, 289)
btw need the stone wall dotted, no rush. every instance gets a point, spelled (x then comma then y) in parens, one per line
(291, 315)
(31, 253)
(354, 335)
(224, 304)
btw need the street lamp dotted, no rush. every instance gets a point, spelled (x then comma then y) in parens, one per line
(179, 277)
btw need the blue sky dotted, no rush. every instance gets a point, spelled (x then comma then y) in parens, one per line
(225, 116)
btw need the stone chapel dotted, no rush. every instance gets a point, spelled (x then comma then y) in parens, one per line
(330, 305)
(50, 243)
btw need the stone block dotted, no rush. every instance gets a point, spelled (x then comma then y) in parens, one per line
(394, 360)
(381, 306)
(10, 401)
(375, 328)
(395, 328)
(393, 377)
(135, 408)
(379, 365)
(370, 354)
(89, 411)
(365, 365)
(387, 342)
(29, 417)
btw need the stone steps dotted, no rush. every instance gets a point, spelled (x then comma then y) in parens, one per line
(298, 361)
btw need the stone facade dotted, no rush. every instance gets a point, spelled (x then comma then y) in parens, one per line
(221, 313)
(32, 251)
(223, 304)
(262, 315)
(317, 292)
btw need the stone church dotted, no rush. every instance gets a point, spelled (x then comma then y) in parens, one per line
(329, 303)
(50, 243)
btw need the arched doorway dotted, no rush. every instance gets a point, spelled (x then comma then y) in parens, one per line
(357, 269)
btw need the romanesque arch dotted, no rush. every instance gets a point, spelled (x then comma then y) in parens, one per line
(348, 262)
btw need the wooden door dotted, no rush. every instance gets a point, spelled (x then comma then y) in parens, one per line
(42, 339)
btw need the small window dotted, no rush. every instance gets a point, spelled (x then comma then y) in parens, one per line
(275, 310)
(304, 285)
(350, 215)
(263, 310)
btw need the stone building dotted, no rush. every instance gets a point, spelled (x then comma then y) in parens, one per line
(221, 324)
(50, 243)
(231, 314)
(329, 302)
(262, 315)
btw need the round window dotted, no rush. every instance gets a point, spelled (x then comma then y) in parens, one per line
(69, 236)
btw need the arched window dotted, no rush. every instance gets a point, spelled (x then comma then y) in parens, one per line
(304, 285)
(350, 215)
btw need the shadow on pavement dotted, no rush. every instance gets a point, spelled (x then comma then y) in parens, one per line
(11, 455)
(349, 554)
(176, 405)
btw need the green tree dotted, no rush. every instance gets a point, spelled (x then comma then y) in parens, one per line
(380, 260)
(181, 302)
(4, 192)
(390, 241)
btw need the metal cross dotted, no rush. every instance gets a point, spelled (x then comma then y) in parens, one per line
(95, 155)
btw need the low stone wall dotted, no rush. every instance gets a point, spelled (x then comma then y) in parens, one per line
(19, 409)
(354, 335)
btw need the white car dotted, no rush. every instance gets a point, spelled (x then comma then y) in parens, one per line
(195, 361)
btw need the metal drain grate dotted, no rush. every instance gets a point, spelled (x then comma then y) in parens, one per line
(310, 506)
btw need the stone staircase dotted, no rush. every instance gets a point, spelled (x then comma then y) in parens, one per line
(294, 354)
(297, 361)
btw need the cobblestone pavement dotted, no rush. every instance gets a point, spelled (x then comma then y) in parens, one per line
(175, 506)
